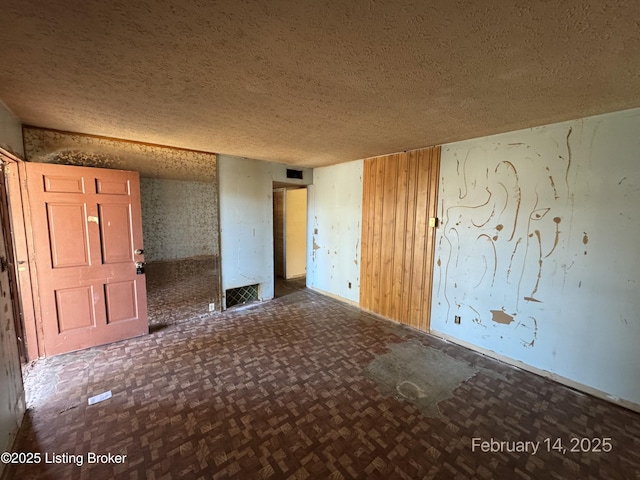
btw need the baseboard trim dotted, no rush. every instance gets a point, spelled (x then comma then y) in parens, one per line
(334, 296)
(580, 387)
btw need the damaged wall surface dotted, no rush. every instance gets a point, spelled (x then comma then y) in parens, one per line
(179, 219)
(152, 161)
(12, 402)
(537, 250)
(246, 219)
(334, 230)
(178, 187)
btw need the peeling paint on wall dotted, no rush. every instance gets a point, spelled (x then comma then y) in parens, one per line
(178, 188)
(537, 223)
(152, 161)
(509, 214)
(12, 406)
(12, 398)
(335, 204)
(499, 316)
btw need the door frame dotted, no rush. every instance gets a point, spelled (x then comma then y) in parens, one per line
(22, 273)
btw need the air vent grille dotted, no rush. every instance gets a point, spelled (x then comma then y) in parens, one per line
(241, 295)
(297, 174)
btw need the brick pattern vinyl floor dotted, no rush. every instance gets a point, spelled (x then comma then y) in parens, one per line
(179, 290)
(279, 391)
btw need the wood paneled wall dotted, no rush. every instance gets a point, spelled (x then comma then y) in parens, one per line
(399, 198)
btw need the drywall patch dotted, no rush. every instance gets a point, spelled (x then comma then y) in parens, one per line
(499, 316)
(418, 374)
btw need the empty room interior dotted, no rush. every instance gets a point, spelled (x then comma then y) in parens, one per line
(320, 240)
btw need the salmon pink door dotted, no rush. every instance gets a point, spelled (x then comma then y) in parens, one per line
(87, 238)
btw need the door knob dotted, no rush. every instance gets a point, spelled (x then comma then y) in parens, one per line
(139, 251)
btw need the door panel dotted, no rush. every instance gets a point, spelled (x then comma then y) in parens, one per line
(113, 187)
(115, 227)
(68, 235)
(122, 303)
(75, 308)
(86, 226)
(58, 184)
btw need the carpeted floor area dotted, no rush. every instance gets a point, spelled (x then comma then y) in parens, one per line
(306, 387)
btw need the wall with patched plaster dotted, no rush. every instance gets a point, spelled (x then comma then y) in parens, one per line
(334, 230)
(246, 224)
(537, 249)
(12, 405)
(179, 219)
(246, 220)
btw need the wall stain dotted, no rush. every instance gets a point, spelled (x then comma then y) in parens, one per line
(315, 247)
(540, 261)
(557, 221)
(515, 249)
(553, 185)
(525, 342)
(519, 195)
(566, 176)
(152, 161)
(499, 316)
(585, 238)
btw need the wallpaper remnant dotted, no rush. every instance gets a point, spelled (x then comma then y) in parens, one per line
(152, 161)
(178, 188)
(179, 219)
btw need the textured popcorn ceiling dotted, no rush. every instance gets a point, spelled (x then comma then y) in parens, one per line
(315, 82)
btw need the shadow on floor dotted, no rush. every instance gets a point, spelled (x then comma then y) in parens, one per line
(286, 287)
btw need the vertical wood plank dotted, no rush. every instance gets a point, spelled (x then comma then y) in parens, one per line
(399, 197)
(399, 243)
(432, 207)
(377, 233)
(387, 239)
(419, 239)
(409, 233)
(365, 240)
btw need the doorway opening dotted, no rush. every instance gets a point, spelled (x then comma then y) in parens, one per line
(289, 237)
(180, 223)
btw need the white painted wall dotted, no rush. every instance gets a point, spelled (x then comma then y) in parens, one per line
(246, 223)
(12, 405)
(10, 131)
(334, 230)
(538, 249)
(296, 233)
